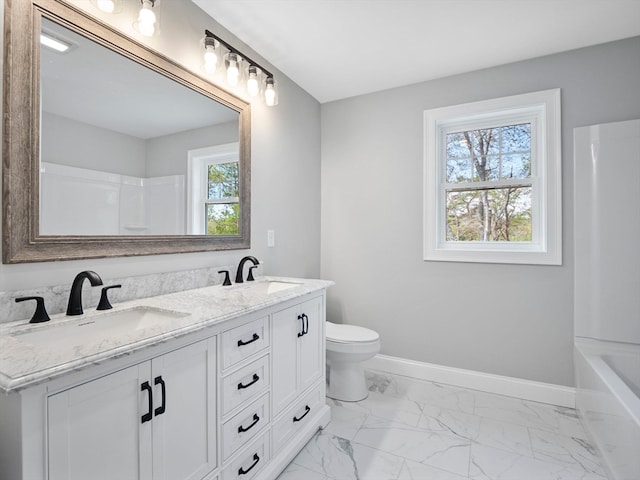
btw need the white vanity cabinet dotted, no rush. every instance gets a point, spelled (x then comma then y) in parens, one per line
(297, 389)
(298, 350)
(154, 420)
(298, 380)
(235, 398)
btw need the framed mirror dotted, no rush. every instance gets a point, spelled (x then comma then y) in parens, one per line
(111, 149)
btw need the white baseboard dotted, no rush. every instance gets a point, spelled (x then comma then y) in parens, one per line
(485, 382)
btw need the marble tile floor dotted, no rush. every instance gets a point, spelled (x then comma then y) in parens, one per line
(409, 429)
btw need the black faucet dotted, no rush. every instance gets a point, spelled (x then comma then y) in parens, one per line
(75, 297)
(249, 258)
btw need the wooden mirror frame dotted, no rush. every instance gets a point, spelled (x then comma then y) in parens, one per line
(21, 241)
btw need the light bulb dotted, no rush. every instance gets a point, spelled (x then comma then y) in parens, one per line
(107, 6)
(146, 19)
(233, 73)
(252, 83)
(210, 60)
(146, 29)
(210, 57)
(270, 93)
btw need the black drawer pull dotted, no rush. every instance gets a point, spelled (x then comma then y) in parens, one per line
(242, 343)
(301, 318)
(256, 419)
(256, 459)
(307, 409)
(255, 379)
(160, 409)
(147, 416)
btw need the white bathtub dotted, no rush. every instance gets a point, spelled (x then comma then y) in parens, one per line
(608, 398)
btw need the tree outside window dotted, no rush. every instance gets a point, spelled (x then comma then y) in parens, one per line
(480, 206)
(492, 190)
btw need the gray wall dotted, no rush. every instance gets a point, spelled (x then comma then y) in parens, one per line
(95, 148)
(285, 172)
(513, 320)
(167, 155)
(104, 150)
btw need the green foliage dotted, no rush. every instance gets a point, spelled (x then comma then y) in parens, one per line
(508, 219)
(223, 184)
(223, 219)
(223, 180)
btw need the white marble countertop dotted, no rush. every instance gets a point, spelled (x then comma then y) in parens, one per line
(23, 364)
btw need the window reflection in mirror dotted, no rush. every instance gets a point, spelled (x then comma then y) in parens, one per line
(214, 190)
(115, 143)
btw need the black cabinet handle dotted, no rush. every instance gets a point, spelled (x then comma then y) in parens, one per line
(256, 419)
(255, 379)
(147, 416)
(307, 409)
(242, 343)
(305, 324)
(160, 409)
(256, 459)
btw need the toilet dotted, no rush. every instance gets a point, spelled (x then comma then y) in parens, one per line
(347, 347)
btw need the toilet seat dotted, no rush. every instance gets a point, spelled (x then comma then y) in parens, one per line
(340, 333)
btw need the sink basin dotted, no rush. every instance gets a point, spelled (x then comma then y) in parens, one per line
(273, 287)
(268, 287)
(98, 327)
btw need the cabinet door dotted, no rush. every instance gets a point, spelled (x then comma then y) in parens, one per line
(184, 422)
(95, 429)
(284, 341)
(311, 351)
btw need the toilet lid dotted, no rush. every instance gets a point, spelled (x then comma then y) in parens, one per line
(349, 333)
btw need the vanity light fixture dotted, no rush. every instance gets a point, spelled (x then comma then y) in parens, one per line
(54, 43)
(238, 66)
(146, 23)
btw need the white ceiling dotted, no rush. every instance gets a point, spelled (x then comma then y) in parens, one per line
(96, 86)
(341, 48)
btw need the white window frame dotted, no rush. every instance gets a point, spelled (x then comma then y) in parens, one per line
(542, 110)
(198, 162)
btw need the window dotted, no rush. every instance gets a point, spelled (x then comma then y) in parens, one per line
(492, 190)
(213, 187)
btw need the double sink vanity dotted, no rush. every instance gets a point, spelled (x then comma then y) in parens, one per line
(215, 383)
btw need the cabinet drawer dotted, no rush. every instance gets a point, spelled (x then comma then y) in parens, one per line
(244, 384)
(296, 416)
(243, 341)
(244, 426)
(248, 463)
